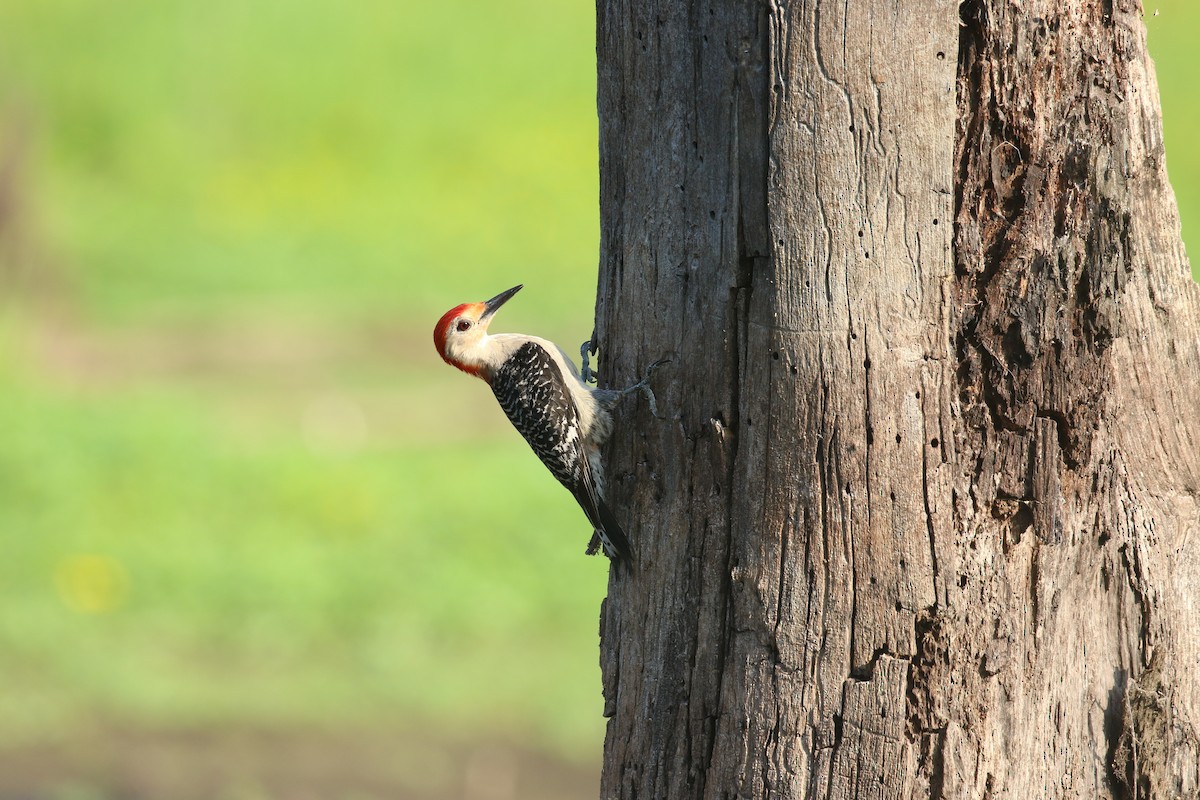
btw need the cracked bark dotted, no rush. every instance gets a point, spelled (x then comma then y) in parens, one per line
(922, 522)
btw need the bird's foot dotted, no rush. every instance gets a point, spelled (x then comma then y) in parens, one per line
(586, 350)
(644, 386)
(594, 545)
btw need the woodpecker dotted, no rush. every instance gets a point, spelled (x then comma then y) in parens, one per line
(562, 418)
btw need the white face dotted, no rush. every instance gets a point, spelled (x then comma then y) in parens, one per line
(464, 336)
(462, 339)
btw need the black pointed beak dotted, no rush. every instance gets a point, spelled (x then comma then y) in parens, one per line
(490, 307)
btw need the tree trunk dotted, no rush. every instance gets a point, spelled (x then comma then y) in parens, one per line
(923, 519)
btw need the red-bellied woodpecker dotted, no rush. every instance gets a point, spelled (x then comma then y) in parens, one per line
(563, 418)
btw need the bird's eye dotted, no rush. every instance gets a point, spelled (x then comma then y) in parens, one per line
(464, 325)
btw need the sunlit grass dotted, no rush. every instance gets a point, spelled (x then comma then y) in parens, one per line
(158, 570)
(1172, 27)
(379, 157)
(243, 500)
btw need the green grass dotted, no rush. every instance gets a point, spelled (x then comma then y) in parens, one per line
(378, 157)
(160, 570)
(1172, 35)
(180, 548)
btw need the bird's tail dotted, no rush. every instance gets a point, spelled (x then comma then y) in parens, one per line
(610, 536)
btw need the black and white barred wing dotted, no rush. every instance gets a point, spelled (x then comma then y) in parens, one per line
(533, 393)
(531, 390)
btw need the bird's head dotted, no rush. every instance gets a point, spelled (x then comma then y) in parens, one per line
(461, 334)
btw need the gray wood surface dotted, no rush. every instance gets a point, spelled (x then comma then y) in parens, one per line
(922, 520)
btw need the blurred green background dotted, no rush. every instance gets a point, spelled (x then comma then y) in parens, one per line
(236, 557)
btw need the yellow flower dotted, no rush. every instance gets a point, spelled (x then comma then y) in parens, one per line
(91, 584)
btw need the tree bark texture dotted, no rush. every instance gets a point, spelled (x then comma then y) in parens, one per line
(922, 520)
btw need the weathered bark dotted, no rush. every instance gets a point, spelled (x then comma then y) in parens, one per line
(923, 521)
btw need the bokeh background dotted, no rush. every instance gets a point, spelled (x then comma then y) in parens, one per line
(256, 540)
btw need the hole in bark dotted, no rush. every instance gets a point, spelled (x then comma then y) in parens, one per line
(902, 564)
(794, 370)
(933, 442)
(941, 56)
(1020, 522)
(868, 255)
(807, 284)
(892, 496)
(1103, 540)
(867, 364)
(1014, 345)
(870, 436)
(749, 423)
(872, 580)
(775, 355)
(897, 438)
(779, 242)
(852, 127)
(962, 581)
(935, 222)
(854, 336)
(860, 234)
(899, 606)
(918, 395)
(712, 214)
(847, 488)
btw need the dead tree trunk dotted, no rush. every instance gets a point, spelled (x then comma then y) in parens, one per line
(923, 521)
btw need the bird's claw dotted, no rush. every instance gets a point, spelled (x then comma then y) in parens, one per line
(650, 369)
(585, 371)
(644, 385)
